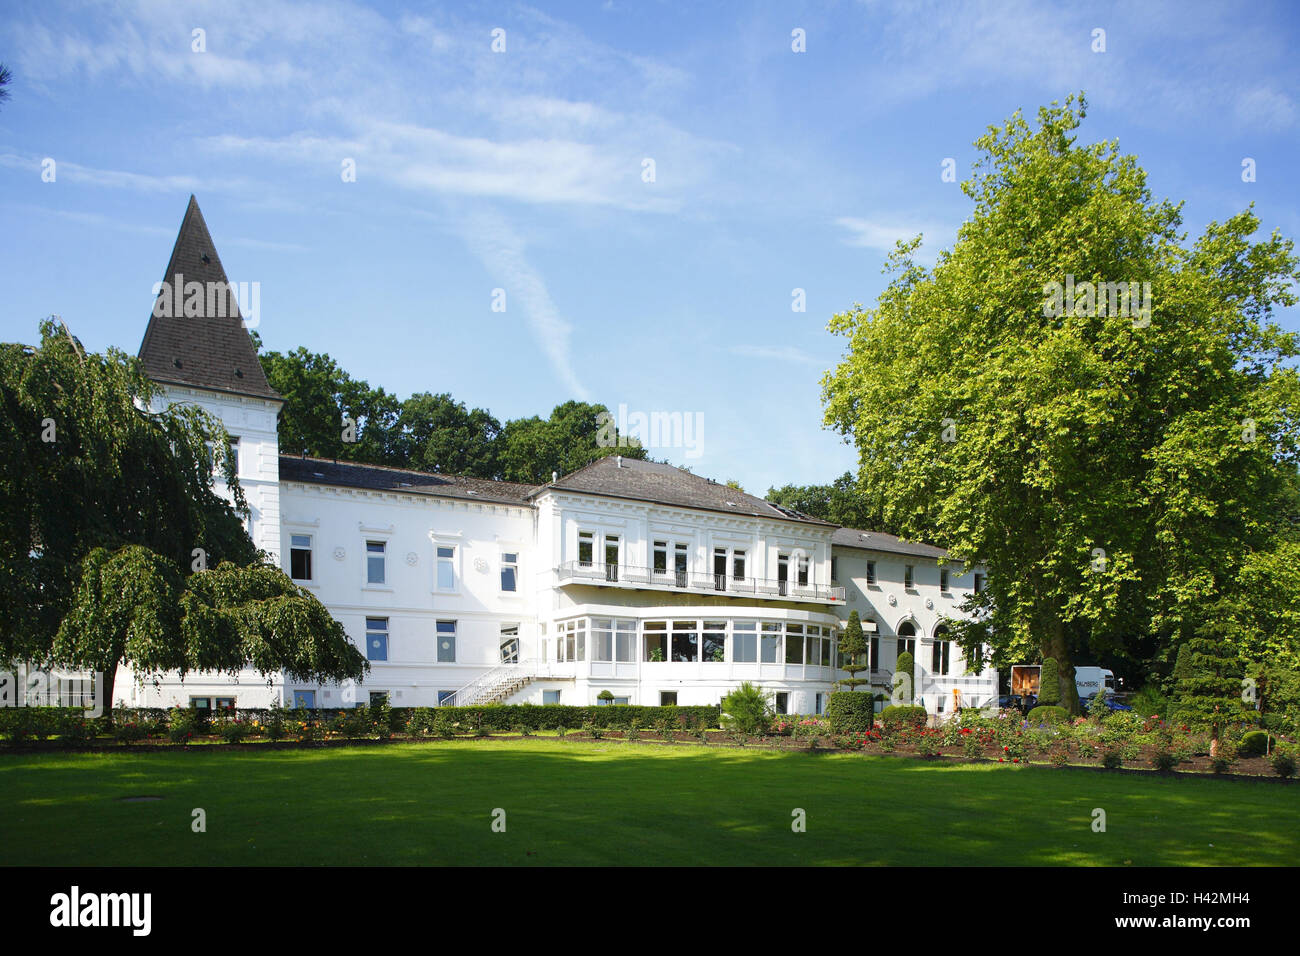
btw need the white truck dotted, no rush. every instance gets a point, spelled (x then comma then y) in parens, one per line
(1088, 680)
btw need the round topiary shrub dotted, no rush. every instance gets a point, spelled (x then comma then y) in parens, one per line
(1048, 715)
(851, 713)
(1256, 743)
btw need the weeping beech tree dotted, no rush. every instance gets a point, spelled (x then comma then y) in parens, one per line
(1109, 452)
(110, 522)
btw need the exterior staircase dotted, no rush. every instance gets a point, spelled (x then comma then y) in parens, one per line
(494, 687)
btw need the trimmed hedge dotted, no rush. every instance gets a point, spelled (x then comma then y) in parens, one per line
(1049, 682)
(20, 724)
(904, 715)
(1047, 714)
(851, 713)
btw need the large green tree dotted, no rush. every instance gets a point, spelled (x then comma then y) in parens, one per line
(532, 448)
(115, 546)
(844, 501)
(438, 433)
(1109, 465)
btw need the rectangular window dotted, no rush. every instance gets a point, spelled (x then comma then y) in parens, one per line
(680, 565)
(445, 697)
(661, 557)
(907, 647)
(744, 642)
(782, 573)
(738, 565)
(378, 697)
(376, 638)
(817, 703)
(446, 567)
(835, 570)
(794, 644)
(871, 572)
(713, 647)
(509, 571)
(720, 569)
(625, 641)
(656, 640)
(770, 643)
(446, 642)
(225, 703)
(686, 642)
(300, 557)
(667, 698)
(782, 702)
(909, 576)
(550, 697)
(939, 657)
(874, 662)
(979, 582)
(586, 546)
(201, 703)
(510, 643)
(943, 579)
(611, 557)
(602, 639)
(375, 570)
(305, 698)
(803, 571)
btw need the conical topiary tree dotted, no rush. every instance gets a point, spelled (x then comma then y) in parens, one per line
(1049, 683)
(853, 646)
(1207, 691)
(906, 668)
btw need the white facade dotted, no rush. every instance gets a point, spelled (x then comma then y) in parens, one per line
(558, 596)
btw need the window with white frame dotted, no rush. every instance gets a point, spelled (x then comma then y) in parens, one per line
(943, 579)
(979, 582)
(602, 639)
(803, 571)
(376, 562)
(300, 557)
(571, 640)
(510, 643)
(871, 572)
(625, 640)
(446, 635)
(940, 658)
(446, 572)
(744, 642)
(376, 638)
(909, 576)
(586, 548)
(509, 571)
(612, 554)
(769, 644)
(794, 644)
(713, 642)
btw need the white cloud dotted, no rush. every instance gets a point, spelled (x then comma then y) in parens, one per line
(501, 250)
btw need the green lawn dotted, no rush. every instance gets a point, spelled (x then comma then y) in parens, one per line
(617, 803)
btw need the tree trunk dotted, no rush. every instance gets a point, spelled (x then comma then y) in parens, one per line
(107, 680)
(1054, 646)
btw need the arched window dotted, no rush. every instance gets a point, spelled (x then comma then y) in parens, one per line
(907, 638)
(940, 656)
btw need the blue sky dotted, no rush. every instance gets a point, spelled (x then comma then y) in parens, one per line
(523, 170)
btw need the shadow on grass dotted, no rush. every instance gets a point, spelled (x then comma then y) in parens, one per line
(616, 803)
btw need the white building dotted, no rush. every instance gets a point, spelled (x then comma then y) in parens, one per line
(628, 576)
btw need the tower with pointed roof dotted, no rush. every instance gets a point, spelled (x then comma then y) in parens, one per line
(197, 348)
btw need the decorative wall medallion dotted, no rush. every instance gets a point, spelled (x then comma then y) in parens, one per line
(892, 600)
(339, 554)
(412, 558)
(929, 604)
(480, 565)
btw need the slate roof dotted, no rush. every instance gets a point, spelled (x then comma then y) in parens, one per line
(213, 352)
(668, 485)
(324, 471)
(879, 541)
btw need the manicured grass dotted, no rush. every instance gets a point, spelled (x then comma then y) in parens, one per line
(570, 802)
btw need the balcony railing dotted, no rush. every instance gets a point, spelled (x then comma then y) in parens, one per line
(623, 575)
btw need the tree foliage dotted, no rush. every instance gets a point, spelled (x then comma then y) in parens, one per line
(117, 547)
(844, 502)
(1108, 469)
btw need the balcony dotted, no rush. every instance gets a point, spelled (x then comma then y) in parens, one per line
(628, 576)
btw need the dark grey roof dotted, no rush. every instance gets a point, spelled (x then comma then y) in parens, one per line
(879, 541)
(324, 471)
(668, 485)
(208, 351)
